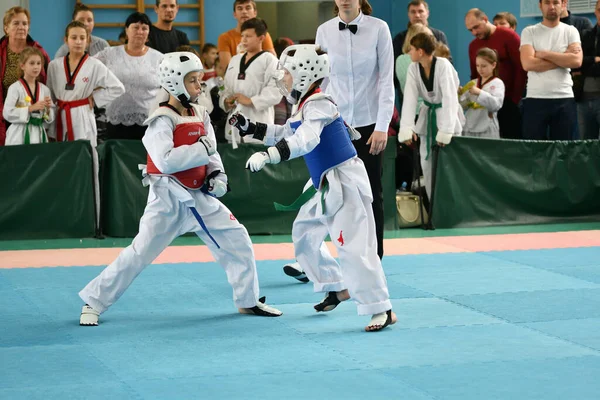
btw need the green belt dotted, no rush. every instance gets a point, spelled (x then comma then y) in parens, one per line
(303, 198)
(431, 122)
(39, 122)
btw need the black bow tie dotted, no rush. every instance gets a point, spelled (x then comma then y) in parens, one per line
(351, 28)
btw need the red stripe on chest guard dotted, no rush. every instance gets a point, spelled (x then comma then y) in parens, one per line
(184, 134)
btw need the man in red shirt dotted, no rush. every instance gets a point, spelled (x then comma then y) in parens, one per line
(507, 44)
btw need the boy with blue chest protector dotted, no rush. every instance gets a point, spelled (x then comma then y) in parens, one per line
(338, 195)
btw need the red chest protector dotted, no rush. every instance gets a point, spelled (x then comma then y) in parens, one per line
(187, 131)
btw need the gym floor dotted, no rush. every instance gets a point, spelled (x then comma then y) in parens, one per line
(491, 313)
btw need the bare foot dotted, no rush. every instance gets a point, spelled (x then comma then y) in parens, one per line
(381, 320)
(343, 295)
(332, 300)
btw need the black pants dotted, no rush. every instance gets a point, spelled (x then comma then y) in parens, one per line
(549, 119)
(374, 166)
(120, 131)
(509, 119)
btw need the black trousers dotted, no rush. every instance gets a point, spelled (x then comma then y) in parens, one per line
(509, 119)
(374, 166)
(133, 132)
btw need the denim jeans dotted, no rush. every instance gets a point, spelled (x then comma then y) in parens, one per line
(589, 118)
(549, 119)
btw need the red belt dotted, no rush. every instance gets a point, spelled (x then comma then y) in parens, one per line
(67, 106)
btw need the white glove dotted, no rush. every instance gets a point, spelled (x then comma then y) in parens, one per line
(257, 161)
(211, 148)
(217, 187)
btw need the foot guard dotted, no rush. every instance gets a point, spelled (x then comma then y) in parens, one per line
(295, 271)
(380, 321)
(261, 309)
(89, 316)
(328, 303)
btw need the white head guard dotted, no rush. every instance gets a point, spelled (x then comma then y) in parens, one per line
(305, 66)
(173, 68)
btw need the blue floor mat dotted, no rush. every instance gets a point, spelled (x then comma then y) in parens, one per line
(494, 325)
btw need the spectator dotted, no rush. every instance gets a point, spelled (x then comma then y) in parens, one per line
(136, 66)
(209, 59)
(434, 80)
(229, 42)
(404, 60)
(505, 20)
(28, 105)
(163, 37)
(588, 109)
(362, 83)
(548, 50)
(283, 110)
(249, 84)
(582, 24)
(77, 82)
(16, 38)
(418, 12)
(506, 43)
(482, 97)
(84, 14)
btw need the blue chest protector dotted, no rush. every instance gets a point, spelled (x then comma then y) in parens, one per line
(334, 148)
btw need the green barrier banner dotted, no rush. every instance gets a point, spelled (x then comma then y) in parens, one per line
(123, 197)
(484, 182)
(47, 191)
(250, 200)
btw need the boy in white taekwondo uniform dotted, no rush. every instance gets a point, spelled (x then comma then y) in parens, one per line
(338, 196)
(434, 80)
(185, 175)
(249, 84)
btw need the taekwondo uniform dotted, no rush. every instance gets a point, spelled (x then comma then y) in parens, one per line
(177, 169)
(440, 117)
(26, 127)
(482, 111)
(252, 78)
(340, 206)
(71, 90)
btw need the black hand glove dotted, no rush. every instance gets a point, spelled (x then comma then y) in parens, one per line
(242, 124)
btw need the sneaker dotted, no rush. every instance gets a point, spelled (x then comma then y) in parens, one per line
(295, 271)
(89, 316)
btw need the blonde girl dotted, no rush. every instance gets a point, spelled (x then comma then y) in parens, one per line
(28, 107)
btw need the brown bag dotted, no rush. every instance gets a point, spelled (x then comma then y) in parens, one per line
(409, 209)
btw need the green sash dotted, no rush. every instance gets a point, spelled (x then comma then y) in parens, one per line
(303, 198)
(39, 122)
(431, 123)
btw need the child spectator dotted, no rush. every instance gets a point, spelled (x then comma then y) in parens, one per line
(434, 80)
(505, 20)
(28, 106)
(481, 98)
(249, 84)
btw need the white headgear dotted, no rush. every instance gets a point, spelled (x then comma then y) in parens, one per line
(173, 68)
(305, 66)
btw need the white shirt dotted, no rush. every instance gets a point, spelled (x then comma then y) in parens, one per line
(362, 70)
(556, 83)
(140, 77)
